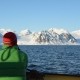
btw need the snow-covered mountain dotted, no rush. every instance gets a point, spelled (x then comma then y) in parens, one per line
(3, 31)
(52, 36)
(76, 34)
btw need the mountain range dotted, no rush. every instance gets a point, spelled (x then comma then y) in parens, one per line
(52, 36)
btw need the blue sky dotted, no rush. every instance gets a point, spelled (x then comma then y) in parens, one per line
(37, 15)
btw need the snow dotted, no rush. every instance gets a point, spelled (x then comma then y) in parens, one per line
(3, 31)
(52, 36)
(25, 32)
(58, 31)
(76, 34)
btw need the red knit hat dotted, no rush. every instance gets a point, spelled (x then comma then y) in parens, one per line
(10, 39)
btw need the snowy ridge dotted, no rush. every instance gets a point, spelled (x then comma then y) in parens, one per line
(58, 31)
(52, 36)
(25, 32)
(76, 34)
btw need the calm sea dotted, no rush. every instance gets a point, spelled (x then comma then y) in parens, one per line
(57, 59)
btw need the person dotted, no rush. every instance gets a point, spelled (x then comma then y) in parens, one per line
(13, 61)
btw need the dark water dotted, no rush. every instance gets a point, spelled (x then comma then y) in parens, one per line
(54, 59)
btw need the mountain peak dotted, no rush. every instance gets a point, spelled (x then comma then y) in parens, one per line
(52, 36)
(25, 32)
(58, 31)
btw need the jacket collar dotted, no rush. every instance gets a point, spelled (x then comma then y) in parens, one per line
(6, 46)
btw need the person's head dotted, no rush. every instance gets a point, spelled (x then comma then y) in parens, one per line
(10, 39)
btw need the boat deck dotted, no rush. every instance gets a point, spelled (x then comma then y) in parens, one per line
(34, 75)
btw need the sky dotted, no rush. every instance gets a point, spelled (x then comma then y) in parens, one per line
(37, 15)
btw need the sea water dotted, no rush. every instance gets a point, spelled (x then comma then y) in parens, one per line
(56, 59)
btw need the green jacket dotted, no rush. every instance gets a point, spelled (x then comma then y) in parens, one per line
(13, 63)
